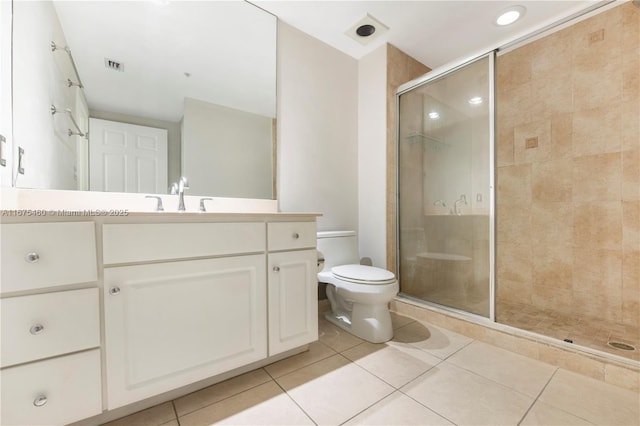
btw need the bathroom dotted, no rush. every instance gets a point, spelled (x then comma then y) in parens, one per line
(345, 170)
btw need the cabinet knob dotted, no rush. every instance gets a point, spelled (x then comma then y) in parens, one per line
(36, 329)
(296, 235)
(32, 257)
(276, 269)
(40, 401)
(114, 291)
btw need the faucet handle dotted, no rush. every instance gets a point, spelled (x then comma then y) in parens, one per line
(159, 206)
(173, 189)
(202, 207)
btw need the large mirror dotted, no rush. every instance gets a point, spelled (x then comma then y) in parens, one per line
(129, 96)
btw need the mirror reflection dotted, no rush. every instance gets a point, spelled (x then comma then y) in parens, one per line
(129, 96)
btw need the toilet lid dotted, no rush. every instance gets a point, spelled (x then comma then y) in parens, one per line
(363, 273)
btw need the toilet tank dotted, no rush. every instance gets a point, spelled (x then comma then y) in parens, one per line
(338, 248)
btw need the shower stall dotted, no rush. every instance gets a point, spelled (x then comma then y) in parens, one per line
(552, 247)
(445, 187)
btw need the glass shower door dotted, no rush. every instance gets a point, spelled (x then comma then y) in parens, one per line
(445, 179)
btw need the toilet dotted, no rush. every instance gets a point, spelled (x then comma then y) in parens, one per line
(359, 294)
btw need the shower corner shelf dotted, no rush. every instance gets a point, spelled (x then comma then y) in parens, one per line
(414, 138)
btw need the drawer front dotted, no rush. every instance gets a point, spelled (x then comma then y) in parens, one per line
(38, 255)
(291, 235)
(52, 392)
(51, 324)
(145, 242)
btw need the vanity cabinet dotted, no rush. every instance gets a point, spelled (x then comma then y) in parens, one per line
(293, 303)
(174, 322)
(50, 319)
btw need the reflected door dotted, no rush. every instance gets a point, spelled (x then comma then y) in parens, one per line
(127, 158)
(445, 189)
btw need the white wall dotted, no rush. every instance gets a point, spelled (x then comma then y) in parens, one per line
(39, 80)
(317, 130)
(226, 152)
(5, 90)
(372, 155)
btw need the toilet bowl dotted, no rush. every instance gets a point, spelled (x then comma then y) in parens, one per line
(359, 294)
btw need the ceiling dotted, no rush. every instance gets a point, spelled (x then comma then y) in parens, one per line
(433, 32)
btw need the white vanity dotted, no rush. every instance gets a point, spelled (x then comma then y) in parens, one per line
(123, 312)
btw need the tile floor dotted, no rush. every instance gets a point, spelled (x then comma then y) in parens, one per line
(425, 376)
(592, 333)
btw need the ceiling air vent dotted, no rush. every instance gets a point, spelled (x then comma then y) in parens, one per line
(113, 65)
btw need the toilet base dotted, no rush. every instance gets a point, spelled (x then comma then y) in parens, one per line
(368, 322)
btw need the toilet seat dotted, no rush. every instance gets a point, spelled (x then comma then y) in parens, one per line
(362, 274)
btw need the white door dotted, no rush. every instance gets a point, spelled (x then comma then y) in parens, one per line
(6, 152)
(171, 324)
(127, 157)
(293, 300)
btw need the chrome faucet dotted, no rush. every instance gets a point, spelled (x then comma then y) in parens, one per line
(183, 184)
(461, 200)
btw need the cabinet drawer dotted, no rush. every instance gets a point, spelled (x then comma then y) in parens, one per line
(56, 391)
(37, 255)
(45, 325)
(145, 242)
(291, 235)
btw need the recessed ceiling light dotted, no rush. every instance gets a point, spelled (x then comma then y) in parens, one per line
(434, 115)
(365, 30)
(510, 15)
(476, 100)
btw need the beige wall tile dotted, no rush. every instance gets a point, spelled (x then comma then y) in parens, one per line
(553, 265)
(552, 224)
(562, 135)
(571, 361)
(631, 174)
(597, 130)
(514, 184)
(513, 223)
(552, 298)
(552, 180)
(596, 270)
(552, 95)
(504, 146)
(631, 272)
(630, 307)
(549, 55)
(598, 225)
(630, 76)
(597, 177)
(539, 130)
(597, 81)
(513, 70)
(513, 107)
(631, 225)
(513, 291)
(514, 262)
(605, 306)
(623, 377)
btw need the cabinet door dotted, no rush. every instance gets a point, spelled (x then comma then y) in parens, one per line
(171, 324)
(293, 300)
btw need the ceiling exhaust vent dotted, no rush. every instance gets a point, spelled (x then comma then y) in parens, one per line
(366, 30)
(113, 65)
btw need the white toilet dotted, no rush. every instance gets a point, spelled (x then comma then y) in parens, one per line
(359, 294)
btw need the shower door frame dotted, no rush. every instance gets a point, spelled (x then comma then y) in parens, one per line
(429, 77)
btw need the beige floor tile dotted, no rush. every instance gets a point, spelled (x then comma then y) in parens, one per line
(546, 415)
(336, 338)
(212, 394)
(333, 390)
(398, 320)
(435, 340)
(171, 423)
(518, 372)
(153, 416)
(395, 363)
(593, 400)
(265, 404)
(398, 409)
(467, 398)
(317, 351)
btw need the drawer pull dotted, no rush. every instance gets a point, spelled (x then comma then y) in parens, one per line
(276, 269)
(32, 257)
(36, 329)
(114, 291)
(296, 235)
(40, 401)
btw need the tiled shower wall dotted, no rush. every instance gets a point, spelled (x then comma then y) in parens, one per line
(568, 170)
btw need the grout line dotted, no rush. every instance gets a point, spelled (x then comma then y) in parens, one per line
(175, 411)
(291, 398)
(427, 407)
(538, 397)
(303, 366)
